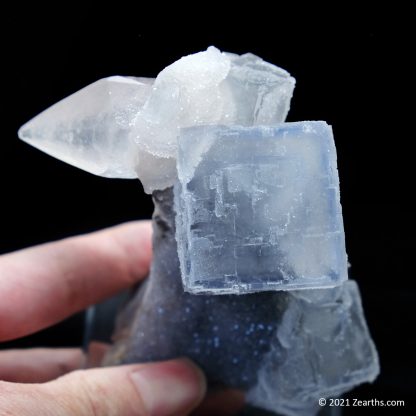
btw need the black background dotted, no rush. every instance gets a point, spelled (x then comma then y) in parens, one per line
(351, 70)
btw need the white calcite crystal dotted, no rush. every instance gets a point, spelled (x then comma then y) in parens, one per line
(322, 348)
(206, 87)
(90, 129)
(121, 127)
(259, 208)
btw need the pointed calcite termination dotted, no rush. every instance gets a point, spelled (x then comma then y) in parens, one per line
(90, 129)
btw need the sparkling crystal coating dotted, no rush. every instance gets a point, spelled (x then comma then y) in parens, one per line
(206, 87)
(284, 349)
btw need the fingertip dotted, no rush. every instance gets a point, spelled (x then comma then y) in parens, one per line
(71, 274)
(169, 388)
(135, 239)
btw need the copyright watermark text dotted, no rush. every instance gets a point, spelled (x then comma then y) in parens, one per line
(360, 403)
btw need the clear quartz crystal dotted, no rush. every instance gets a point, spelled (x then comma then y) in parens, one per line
(259, 208)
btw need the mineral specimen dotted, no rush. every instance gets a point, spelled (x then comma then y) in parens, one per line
(258, 208)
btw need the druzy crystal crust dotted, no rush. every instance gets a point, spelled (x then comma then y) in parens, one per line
(285, 349)
(246, 207)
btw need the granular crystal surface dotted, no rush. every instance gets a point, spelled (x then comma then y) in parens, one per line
(284, 349)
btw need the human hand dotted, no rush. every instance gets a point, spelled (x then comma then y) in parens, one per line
(42, 285)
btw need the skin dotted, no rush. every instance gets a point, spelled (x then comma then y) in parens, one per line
(42, 285)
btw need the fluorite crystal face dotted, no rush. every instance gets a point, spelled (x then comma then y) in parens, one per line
(256, 216)
(322, 348)
(258, 209)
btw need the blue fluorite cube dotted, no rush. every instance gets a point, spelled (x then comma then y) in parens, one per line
(258, 208)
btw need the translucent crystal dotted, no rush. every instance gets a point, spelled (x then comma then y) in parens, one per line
(90, 129)
(206, 87)
(123, 127)
(322, 348)
(258, 208)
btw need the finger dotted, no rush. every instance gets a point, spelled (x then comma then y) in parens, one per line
(39, 364)
(172, 388)
(42, 285)
(96, 353)
(225, 402)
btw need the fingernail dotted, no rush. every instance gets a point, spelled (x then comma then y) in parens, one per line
(169, 388)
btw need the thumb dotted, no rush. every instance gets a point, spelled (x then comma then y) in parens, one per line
(171, 388)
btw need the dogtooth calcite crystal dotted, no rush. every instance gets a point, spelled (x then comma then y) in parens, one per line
(249, 270)
(90, 129)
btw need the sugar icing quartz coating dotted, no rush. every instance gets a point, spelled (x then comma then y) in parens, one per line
(121, 127)
(207, 87)
(284, 349)
(256, 213)
(258, 208)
